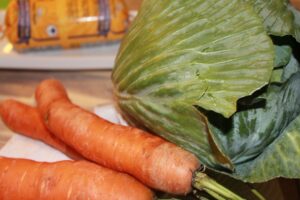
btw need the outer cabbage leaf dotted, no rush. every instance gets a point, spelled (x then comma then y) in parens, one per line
(180, 123)
(279, 159)
(282, 58)
(207, 53)
(279, 17)
(282, 55)
(292, 67)
(181, 55)
(255, 134)
(276, 75)
(296, 14)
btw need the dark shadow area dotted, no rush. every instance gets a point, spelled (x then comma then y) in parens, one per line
(288, 40)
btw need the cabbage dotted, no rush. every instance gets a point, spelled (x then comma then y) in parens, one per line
(278, 16)
(205, 75)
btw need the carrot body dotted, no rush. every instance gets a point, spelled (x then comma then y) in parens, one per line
(27, 121)
(156, 162)
(296, 4)
(47, 92)
(80, 180)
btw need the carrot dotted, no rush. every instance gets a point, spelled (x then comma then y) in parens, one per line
(80, 180)
(57, 92)
(296, 4)
(154, 161)
(26, 120)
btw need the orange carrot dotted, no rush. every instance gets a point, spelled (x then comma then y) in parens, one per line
(154, 161)
(81, 180)
(296, 4)
(57, 92)
(26, 120)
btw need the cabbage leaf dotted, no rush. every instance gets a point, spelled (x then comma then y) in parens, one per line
(198, 52)
(278, 16)
(279, 159)
(283, 56)
(253, 131)
(282, 156)
(291, 68)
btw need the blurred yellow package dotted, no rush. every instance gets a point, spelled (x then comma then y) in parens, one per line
(64, 23)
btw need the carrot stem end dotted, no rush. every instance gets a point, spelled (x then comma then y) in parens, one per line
(203, 182)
